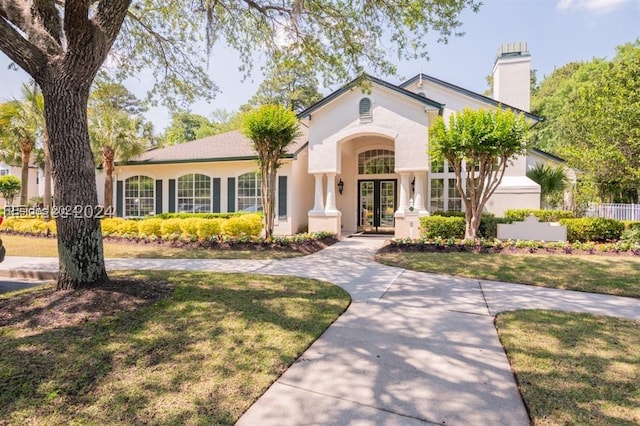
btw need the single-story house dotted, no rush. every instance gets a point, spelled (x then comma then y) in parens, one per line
(359, 164)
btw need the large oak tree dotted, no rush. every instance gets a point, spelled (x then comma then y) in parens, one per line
(62, 45)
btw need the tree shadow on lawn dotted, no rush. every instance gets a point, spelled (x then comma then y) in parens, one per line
(202, 355)
(574, 368)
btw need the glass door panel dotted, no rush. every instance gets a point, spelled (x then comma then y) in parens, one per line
(367, 204)
(377, 205)
(387, 189)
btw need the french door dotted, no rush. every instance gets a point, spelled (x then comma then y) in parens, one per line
(376, 205)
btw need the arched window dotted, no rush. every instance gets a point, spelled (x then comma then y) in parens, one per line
(139, 197)
(249, 192)
(376, 162)
(365, 109)
(194, 193)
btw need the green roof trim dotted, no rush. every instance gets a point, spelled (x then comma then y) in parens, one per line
(469, 93)
(353, 83)
(199, 160)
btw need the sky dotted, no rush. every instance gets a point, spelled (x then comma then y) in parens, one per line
(557, 32)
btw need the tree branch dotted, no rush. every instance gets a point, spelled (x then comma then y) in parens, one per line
(28, 56)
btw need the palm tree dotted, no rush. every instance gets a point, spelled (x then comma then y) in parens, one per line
(114, 134)
(21, 126)
(552, 181)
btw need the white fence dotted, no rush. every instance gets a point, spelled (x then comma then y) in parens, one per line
(614, 211)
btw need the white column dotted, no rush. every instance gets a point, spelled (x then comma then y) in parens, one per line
(318, 205)
(330, 205)
(403, 204)
(419, 193)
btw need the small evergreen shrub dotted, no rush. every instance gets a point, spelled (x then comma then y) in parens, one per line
(442, 226)
(189, 226)
(594, 229)
(631, 235)
(518, 215)
(110, 225)
(198, 215)
(128, 227)
(210, 228)
(150, 227)
(240, 226)
(170, 227)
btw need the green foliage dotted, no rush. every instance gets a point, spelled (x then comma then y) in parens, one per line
(150, 227)
(442, 227)
(552, 181)
(271, 129)
(186, 126)
(199, 215)
(593, 121)
(9, 186)
(518, 215)
(486, 139)
(593, 229)
(631, 235)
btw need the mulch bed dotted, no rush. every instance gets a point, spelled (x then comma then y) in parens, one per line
(462, 248)
(46, 308)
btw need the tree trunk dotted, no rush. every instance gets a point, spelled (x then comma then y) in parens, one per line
(24, 189)
(268, 199)
(107, 162)
(472, 225)
(80, 248)
(47, 173)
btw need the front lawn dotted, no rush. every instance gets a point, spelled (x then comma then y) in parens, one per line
(158, 348)
(615, 275)
(574, 369)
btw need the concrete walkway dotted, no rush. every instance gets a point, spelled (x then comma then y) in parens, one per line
(412, 348)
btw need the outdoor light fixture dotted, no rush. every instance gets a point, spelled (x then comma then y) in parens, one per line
(340, 186)
(413, 186)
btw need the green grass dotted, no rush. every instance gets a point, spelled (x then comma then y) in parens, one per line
(574, 368)
(18, 245)
(202, 356)
(618, 276)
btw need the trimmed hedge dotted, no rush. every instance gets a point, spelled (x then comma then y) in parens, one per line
(198, 215)
(594, 229)
(518, 215)
(452, 225)
(191, 228)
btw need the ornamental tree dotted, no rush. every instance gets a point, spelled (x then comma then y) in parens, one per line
(272, 129)
(9, 187)
(479, 145)
(63, 45)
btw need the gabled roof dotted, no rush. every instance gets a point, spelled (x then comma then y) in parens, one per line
(374, 80)
(468, 93)
(548, 155)
(230, 146)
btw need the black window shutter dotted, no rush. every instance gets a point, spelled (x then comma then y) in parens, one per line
(119, 198)
(158, 196)
(216, 195)
(282, 197)
(172, 195)
(231, 194)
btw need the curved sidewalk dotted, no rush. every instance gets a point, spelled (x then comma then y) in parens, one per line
(412, 348)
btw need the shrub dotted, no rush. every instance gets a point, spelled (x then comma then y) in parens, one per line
(519, 215)
(189, 226)
(170, 227)
(631, 235)
(209, 228)
(489, 226)
(110, 225)
(198, 215)
(245, 225)
(150, 227)
(631, 224)
(442, 226)
(128, 227)
(593, 229)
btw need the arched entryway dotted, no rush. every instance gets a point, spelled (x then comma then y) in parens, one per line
(377, 191)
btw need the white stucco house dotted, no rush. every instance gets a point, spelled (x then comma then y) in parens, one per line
(360, 162)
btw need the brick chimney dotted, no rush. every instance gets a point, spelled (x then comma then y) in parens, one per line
(512, 76)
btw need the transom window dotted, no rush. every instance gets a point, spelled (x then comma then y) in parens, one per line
(194, 193)
(376, 162)
(138, 196)
(249, 198)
